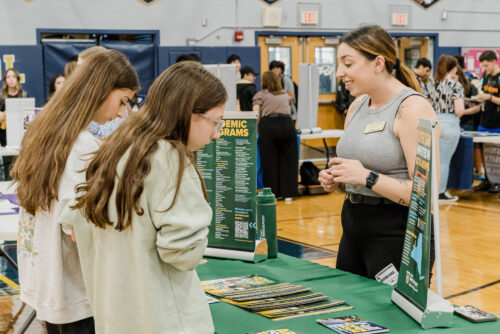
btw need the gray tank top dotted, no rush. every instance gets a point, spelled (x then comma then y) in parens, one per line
(379, 150)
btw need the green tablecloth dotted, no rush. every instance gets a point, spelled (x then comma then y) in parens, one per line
(371, 299)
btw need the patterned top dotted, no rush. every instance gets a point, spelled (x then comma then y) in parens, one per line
(427, 88)
(106, 129)
(444, 94)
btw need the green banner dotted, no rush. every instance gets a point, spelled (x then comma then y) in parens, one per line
(229, 169)
(413, 279)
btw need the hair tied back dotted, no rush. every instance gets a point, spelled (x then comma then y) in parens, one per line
(397, 65)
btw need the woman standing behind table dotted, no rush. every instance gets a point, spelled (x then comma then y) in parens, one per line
(376, 154)
(141, 219)
(448, 101)
(54, 151)
(277, 137)
(11, 88)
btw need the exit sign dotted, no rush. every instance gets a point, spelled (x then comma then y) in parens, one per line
(309, 18)
(399, 19)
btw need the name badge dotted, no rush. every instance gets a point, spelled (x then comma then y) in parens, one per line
(375, 127)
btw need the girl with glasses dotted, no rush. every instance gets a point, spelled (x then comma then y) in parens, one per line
(141, 218)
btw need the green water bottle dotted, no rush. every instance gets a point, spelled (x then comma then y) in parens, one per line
(266, 220)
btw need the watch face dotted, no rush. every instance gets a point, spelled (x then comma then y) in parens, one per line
(371, 179)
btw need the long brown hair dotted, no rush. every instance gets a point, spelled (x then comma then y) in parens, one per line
(271, 82)
(5, 88)
(464, 81)
(182, 90)
(445, 65)
(373, 41)
(50, 137)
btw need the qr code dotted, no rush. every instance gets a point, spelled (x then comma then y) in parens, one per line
(241, 229)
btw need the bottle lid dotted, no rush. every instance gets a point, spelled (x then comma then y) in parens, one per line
(266, 196)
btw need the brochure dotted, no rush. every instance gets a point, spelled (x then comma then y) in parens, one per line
(321, 311)
(275, 331)
(280, 302)
(219, 287)
(294, 310)
(269, 291)
(352, 324)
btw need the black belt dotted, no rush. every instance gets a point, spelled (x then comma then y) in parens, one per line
(276, 115)
(370, 200)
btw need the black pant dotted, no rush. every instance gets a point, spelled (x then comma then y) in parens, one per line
(8, 161)
(373, 238)
(279, 155)
(84, 326)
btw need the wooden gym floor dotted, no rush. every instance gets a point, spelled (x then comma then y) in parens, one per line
(470, 247)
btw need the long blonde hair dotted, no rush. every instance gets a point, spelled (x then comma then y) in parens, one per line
(182, 90)
(5, 88)
(373, 41)
(50, 137)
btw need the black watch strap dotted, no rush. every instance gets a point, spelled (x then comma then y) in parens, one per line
(371, 179)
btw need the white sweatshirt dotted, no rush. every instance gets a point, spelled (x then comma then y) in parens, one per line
(49, 268)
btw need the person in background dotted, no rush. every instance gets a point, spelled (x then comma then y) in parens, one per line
(188, 57)
(55, 149)
(235, 60)
(343, 99)
(423, 71)
(448, 102)
(278, 68)
(11, 88)
(490, 117)
(55, 84)
(277, 138)
(246, 89)
(70, 66)
(376, 153)
(461, 62)
(468, 122)
(141, 218)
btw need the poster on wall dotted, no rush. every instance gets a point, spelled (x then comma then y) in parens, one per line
(471, 59)
(228, 167)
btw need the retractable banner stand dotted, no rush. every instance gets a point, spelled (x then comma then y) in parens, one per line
(411, 292)
(307, 109)
(228, 167)
(227, 74)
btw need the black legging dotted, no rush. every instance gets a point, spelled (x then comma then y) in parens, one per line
(279, 154)
(373, 237)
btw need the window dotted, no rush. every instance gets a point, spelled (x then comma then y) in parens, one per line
(325, 59)
(283, 54)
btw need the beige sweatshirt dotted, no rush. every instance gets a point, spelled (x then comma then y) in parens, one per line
(143, 279)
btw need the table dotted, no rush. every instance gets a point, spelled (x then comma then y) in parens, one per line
(324, 134)
(8, 223)
(9, 151)
(371, 299)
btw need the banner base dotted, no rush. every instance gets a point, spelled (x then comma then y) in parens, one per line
(439, 311)
(258, 255)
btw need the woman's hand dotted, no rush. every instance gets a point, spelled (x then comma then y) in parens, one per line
(348, 171)
(326, 181)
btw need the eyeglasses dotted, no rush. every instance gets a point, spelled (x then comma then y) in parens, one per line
(219, 124)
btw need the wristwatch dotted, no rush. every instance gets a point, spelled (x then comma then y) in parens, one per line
(371, 179)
